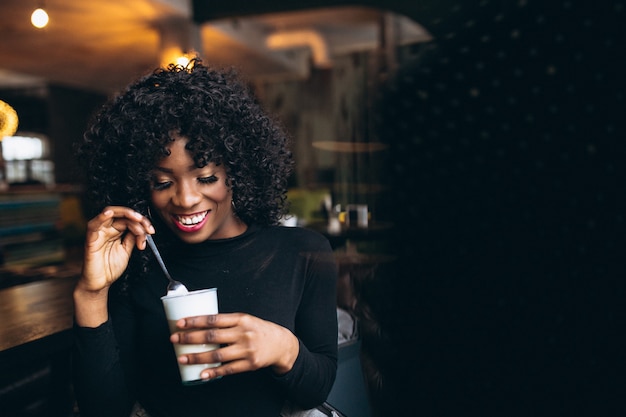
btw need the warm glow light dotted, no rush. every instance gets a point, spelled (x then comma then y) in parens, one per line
(176, 56)
(39, 18)
(8, 120)
(182, 61)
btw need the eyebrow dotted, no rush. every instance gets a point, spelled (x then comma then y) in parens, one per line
(165, 170)
(171, 171)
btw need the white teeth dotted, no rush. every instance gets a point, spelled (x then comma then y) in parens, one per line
(192, 220)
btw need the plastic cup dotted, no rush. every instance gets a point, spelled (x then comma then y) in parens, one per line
(193, 303)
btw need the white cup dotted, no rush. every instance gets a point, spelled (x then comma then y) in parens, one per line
(193, 303)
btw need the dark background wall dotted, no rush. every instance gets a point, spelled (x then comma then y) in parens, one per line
(508, 168)
(69, 112)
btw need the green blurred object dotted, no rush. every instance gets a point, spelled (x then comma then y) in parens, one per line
(309, 205)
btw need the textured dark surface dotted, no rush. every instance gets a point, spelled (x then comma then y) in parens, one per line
(508, 155)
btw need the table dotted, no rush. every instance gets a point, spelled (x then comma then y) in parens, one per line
(35, 314)
(35, 344)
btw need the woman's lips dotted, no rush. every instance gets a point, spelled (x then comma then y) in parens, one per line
(192, 222)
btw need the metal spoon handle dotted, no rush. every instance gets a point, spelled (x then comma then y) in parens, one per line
(158, 256)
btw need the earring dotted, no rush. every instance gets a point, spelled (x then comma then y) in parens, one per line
(232, 203)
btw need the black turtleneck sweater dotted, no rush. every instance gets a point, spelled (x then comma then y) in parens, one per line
(284, 275)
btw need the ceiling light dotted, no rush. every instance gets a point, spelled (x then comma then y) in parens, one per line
(177, 57)
(39, 18)
(183, 61)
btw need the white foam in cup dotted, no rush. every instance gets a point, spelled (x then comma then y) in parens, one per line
(193, 303)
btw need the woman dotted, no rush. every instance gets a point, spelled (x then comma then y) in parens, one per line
(188, 155)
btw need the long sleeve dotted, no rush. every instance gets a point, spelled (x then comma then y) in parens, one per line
(99, 381)
(102, 382)
(313, 374)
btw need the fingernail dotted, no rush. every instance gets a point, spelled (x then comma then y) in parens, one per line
(205, 375)
(183, 359)
(151, 229)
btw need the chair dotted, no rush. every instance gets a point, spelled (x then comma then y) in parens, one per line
(349, 393)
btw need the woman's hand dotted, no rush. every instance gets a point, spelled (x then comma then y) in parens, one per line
(111, 236)
(250, 343)
(110, 239)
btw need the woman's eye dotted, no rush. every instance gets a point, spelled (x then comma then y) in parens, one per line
(208, 180)
(160, 185)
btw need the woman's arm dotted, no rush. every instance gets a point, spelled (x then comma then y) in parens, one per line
(313, 374)
(102, 386)
(99, 379)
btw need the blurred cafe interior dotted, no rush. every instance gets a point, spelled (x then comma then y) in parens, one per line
(417, 127)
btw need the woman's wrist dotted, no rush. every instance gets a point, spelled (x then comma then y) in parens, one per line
(288, 358)
(90, 306)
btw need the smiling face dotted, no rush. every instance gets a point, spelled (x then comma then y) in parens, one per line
(194, 202)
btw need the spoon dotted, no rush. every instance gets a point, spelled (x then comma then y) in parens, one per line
(173, 286)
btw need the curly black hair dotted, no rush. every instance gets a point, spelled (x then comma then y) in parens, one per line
(219, 115)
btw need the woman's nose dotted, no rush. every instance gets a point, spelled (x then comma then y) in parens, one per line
(186, 195)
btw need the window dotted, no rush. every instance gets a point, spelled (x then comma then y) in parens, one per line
(25, 159)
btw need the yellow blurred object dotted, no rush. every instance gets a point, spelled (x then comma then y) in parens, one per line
(8, 120)
(73, 223)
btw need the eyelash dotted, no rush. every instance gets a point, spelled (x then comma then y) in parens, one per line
(208, 180)
(158, 186)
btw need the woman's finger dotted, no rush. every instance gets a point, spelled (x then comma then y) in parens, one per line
(221, 320)
(227, 368)
(114, 221)
(233, 359)
(217, 336)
